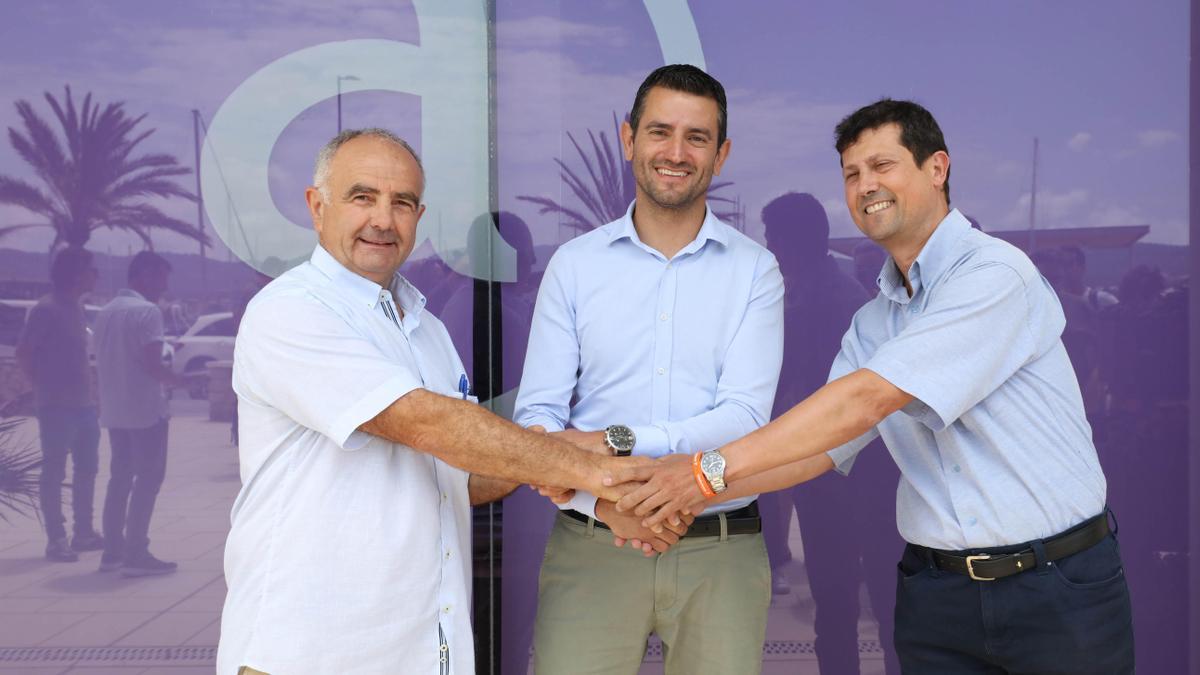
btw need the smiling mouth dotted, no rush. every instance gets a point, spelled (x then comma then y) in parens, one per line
(377, 243)
(877, 207)
(671, 173)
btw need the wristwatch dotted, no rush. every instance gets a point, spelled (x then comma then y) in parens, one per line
(620, 439)
(712, 463)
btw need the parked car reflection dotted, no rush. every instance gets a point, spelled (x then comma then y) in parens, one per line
(210, 338)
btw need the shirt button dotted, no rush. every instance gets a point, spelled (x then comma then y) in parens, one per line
(447, 555)
(972, 520)
(662, 371)
(913, 310)
(957, 468)
(663, 316)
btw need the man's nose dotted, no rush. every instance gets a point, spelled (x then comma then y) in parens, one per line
(383, 216)
(868, 184)
(675, 149)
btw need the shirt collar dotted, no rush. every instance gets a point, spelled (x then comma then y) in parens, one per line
(935, 258)
(362, 289)
(709, 229)
(130, 293)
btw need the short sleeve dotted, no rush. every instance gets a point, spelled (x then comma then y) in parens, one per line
(37, 326)
(845, 363)
(973, 334)
(298, 356)
(151, 326)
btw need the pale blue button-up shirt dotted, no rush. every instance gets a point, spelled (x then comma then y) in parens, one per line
(685, 351)
(996, 449)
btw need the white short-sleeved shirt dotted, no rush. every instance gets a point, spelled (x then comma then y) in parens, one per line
(346, 551)
(130, 397)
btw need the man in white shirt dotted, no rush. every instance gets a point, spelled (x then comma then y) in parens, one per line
(360, 455)
(133, 407)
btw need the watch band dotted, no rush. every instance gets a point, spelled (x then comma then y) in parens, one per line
(702, 480)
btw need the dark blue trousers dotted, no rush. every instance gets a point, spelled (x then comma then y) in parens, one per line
(1067, 616)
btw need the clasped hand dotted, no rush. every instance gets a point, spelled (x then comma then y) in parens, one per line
(655, 534)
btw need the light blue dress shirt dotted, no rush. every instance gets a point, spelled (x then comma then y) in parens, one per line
(996, 449)
(684, 351)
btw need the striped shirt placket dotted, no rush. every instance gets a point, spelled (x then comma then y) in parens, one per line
(389, 310)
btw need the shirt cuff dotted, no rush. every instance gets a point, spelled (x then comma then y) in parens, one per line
(843, 458)
(345, 431)
(652, 441)
(583, 502)
(548, 423)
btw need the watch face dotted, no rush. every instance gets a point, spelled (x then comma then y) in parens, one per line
(620, 436)
(712, 463)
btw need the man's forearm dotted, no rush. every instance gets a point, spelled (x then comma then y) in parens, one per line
(471, 438)
(835, 414)
(778, 478)
(485, 489)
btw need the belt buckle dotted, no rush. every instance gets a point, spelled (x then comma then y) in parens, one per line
(971, 569)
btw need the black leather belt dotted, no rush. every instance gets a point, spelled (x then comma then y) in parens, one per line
(992, 566)
(742, 521)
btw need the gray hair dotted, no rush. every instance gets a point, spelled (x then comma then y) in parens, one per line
(325, 155)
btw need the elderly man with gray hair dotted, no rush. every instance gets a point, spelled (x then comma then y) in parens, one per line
(361, 451)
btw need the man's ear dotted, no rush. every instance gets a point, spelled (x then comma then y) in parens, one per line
(722, 155)
(316, 207)
(937, 166)
(627, 140)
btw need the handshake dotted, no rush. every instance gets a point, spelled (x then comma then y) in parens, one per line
(647, 503)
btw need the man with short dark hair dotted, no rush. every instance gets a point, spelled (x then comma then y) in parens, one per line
(959, 366)
(658, 333)
(133, 407)
(53, 353)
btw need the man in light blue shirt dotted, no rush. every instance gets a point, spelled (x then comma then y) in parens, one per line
(657, 334)
(958, 364)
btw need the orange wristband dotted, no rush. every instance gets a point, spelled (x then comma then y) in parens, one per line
(701, 479)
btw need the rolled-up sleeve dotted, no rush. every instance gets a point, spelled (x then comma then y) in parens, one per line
(846, 362)
(298, 356)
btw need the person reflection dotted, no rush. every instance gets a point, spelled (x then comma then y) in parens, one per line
(868, 260)
(847, 526)
(527, 516)
(516, 297)
(1145, 453)
(53, 352)
(133, 407)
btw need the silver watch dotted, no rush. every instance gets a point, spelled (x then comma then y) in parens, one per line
(620, 439)
(712, 463)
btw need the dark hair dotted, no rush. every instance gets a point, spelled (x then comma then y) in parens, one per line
(688, 79)
(1073, 254)
(800, 214)
(69, 267)
(919, 132)
(145, 262)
